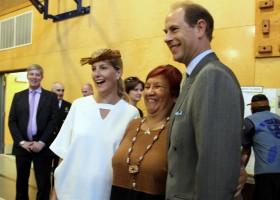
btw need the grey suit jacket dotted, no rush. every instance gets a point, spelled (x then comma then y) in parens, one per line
(47, 118)
(204, 135)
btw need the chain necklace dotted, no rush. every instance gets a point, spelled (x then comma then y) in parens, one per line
(148, 131)
(133, 169)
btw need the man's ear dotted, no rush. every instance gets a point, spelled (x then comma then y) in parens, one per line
(201, 26)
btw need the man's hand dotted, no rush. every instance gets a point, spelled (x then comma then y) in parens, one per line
(242, 176)
(37, 146)
(27, 146)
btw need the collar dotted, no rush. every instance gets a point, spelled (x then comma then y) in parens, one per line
(38, 90)
(196, 60)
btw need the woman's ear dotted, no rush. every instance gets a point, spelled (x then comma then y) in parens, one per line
(119, 73)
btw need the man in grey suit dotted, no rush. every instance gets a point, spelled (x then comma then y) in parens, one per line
(32, 121)
(206, 122)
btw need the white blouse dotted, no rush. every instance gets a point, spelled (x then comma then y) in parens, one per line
(86, 143)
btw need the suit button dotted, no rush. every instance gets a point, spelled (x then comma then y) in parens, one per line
(174, 148)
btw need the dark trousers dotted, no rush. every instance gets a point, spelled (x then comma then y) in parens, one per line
(267, 187)
(54, 165)
(42, 171)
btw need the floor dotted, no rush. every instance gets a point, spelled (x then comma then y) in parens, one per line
(8, 189)
(8, 177)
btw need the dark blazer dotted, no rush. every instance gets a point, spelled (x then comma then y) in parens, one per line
(47, 116)
(204, 135)
(62, 114)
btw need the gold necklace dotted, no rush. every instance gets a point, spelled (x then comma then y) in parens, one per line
(133, 169)
(148, 130)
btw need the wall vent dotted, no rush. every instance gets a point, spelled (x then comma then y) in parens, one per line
(16, 31)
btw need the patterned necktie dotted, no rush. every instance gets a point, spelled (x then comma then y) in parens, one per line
(184, 79)
(32, 116)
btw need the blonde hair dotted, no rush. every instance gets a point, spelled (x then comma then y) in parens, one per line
(35, 67)
(118, 64)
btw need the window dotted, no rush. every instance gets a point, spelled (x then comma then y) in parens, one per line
(16, 31)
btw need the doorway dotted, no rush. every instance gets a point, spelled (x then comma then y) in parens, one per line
(11, 83)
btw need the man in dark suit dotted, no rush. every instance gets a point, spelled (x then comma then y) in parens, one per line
(205, 127)
(32, 121)
(64, 107)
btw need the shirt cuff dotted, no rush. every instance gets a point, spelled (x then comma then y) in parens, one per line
(42, 143)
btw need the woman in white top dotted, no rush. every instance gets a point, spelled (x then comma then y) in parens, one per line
(92, 132)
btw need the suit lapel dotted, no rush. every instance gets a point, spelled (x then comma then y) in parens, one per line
(62, 107)
(26, 101)
(186, 87)
(207, 59)
(41, 101)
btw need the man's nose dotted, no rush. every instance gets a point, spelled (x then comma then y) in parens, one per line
(167, 38)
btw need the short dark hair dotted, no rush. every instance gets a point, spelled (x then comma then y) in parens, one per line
(172, 75)
(258, 98)
(195, 12)
(131, 82)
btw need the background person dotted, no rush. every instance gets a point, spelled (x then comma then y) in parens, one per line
(32, 121)
(92, 132)
(205, 128)
(262, 132)
(87, 89)
(135, 179)
(134, 87)
(64, 107)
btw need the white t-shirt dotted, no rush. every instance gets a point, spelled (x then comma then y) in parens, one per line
(86, 143)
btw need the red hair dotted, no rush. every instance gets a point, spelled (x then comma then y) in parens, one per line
(171, 74)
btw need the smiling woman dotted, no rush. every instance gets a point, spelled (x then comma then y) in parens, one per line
(139, 164)
(92, 132)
